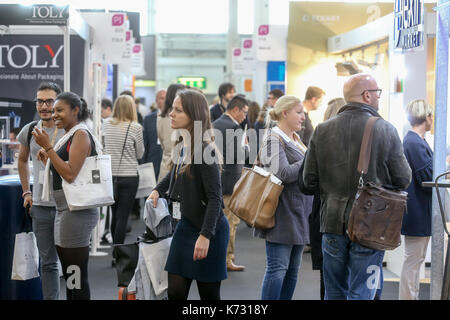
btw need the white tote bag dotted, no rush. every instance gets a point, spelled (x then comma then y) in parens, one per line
(93, 186)
(147, 180)
(26, 257)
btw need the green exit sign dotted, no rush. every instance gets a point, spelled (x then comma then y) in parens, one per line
(193, 82)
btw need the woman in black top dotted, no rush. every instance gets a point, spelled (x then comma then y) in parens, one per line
(199, 245)
(72, 229)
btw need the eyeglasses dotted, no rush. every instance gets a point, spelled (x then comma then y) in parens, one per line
(378, 91)
(48, 102)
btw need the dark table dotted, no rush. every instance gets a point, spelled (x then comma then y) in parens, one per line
(11, 218)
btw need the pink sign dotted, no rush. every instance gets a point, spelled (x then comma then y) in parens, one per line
(128, 36)
(137, 48)
(263, 30)
(237, 52)
(248, 44)
(118, 20)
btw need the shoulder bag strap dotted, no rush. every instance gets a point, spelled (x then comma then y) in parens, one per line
(366, 147)
(258, 157)
(124, 142)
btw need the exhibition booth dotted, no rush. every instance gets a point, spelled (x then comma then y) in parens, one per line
(74, 49)
(328, 42)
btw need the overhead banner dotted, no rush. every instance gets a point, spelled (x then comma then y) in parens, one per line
(408, 25)
(110, 34)
(137, 60)
(37, 14)
(28, 60)
(271, 43)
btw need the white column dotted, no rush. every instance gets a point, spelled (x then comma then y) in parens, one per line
(233, 39)
(260, 74)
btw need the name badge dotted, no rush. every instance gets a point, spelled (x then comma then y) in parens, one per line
(176, 212)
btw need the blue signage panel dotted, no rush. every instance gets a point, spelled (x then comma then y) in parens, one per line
(408, 24)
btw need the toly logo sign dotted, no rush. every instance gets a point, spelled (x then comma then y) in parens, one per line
(29, 56)
(50, 12)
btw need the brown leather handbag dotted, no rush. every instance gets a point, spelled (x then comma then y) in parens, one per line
(255, 198)
(375, 219)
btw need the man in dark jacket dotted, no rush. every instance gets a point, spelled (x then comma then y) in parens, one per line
(153, 150)
(312, 102)
(351, 271)
(234, 155)
(226, 93)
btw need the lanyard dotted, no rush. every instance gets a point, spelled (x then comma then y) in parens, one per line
(179, 163)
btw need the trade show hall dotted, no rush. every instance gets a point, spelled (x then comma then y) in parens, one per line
(235, 150)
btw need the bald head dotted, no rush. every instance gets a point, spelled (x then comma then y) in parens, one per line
(160, 98)
(356, 89)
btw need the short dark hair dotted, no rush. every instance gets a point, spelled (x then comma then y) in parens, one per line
(237, 101)
(73, 100)
(314, 92)
(106, 103)
(277, 93)
(224, 88)
(127, 92)
(49, 86)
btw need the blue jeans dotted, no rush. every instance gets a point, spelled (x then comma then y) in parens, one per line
(43, 227)
(350, 271)
(283, 263)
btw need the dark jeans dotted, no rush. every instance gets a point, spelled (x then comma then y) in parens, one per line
(125, 189)
(350, 270)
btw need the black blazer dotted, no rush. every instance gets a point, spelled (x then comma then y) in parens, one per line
(153, 151)
(232, 167)
(216, 111)
(200, 195)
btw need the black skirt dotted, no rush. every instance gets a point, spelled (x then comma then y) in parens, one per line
(180, 260)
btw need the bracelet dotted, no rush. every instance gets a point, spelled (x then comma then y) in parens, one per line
(25, 193)
(48, 149)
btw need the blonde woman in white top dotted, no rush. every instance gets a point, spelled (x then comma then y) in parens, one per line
(123, 139)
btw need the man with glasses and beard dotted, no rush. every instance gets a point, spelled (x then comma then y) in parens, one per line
(42, 212)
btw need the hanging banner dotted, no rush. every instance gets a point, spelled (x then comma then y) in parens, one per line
(248, 56)
(28, 60)
(237, 62)
(110, 34)
(37, 14)
(408, 25)
(137, 60)
(271, 43)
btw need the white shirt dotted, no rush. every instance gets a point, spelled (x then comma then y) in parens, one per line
(285, 137)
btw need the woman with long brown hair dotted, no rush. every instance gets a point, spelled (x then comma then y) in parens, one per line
(165, 131)
(199, 245)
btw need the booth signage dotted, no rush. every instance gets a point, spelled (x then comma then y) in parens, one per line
(271, 43)
(38, 14)
(408, 24)
(27, 60)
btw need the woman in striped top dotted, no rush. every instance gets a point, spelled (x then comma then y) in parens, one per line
(123, 139)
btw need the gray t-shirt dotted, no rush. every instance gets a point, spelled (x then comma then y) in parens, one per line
(38, 166)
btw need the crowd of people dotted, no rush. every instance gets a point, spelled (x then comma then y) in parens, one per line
(317, 167)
